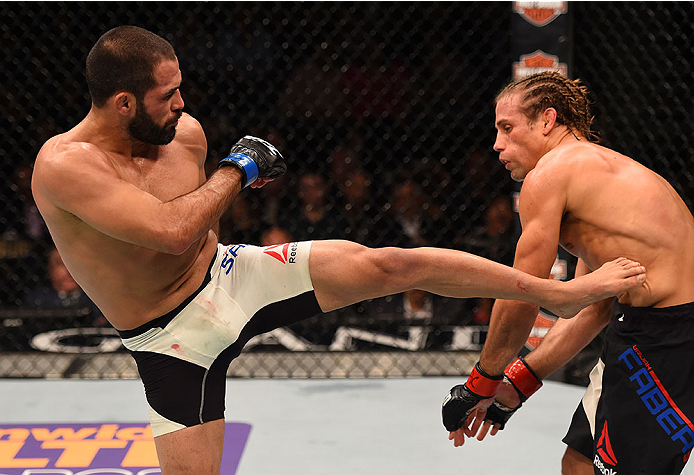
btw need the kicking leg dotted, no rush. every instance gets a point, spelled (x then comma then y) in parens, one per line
(193, 450)
(343, 273)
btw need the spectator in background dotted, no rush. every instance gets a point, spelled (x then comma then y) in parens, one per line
(366, 223)
(241, 222)
(275, 235)
(316, 217)
(62, 291)
(407, 203)
(22, 216)
(272, 135)
(482, 179)
(344, 162)
(276, 198)
(274, 194)
(248, 215)
(376, 83)
(495, 240)
(418, 222)
(23, 236)
(356, 206)
(315, 88)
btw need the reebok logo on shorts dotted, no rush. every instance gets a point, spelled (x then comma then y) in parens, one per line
(600, 466)
(285, 253)
(605, 447)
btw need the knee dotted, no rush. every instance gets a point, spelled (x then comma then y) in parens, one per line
(389, 263)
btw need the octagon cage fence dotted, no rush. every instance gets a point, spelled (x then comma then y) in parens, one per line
(384, 112)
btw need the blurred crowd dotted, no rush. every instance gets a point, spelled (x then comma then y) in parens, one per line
(387, 135)
(342, 200)
(376, 139)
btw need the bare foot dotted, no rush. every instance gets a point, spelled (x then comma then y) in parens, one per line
(612, 278)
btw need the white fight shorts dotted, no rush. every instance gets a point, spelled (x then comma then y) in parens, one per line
(183, 356)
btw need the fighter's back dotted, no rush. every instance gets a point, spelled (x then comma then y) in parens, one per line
(617, 207)
(85, 192)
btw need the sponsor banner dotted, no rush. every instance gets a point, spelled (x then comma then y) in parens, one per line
(563, 268)
(540, 13)
(95, 449)
(537, 62)
(60, 330)
(353, 331)
(540, 328)
(541, 38)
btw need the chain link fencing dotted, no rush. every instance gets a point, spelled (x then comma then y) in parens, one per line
(384, 112)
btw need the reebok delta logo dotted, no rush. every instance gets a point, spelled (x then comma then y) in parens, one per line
(285, 253)
(605, 453)
(278, 251)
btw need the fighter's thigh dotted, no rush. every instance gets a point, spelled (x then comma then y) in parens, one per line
(344, 272)
(575, 463)
(196, 449)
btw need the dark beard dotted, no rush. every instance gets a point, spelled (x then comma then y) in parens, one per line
(144, 129)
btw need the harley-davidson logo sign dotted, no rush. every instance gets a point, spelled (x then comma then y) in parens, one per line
(540, 13)
(537, 62)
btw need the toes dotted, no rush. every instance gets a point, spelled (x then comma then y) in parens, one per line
(636, 270)
(627, 263)
(635, 281)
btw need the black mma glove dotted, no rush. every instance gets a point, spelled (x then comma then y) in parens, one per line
(500, 414)
(256, 158)
(461, 399)
(524, 381)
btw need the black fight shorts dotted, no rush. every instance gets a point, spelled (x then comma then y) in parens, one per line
(183, 357)
(636, 415)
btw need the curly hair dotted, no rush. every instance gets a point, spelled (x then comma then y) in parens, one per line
(551, 89)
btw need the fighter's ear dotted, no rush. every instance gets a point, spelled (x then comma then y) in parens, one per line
(549, 116)
(125, 103)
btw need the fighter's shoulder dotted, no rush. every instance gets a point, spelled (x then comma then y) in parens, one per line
(62, 154)
(189, 132)
(552, 173)
(566, 161)
(64, 161)
(572, 154)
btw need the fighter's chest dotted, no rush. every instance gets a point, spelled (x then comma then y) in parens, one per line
(166, 176)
